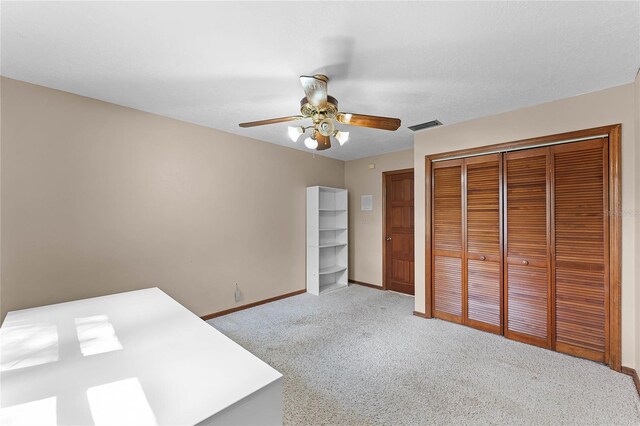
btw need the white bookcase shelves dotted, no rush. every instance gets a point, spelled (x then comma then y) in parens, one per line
(327, 239)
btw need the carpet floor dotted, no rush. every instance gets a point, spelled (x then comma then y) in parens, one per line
(359, 357)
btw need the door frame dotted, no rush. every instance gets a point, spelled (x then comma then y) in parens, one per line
(384, 219)
(613, 132)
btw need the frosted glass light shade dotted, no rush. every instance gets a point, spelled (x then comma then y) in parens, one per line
(310, 143)
(326, 127)
(342, 137)
(295, 132)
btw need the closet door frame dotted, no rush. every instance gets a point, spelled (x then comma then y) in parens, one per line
(613, 132)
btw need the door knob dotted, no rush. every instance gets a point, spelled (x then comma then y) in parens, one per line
(525, 262)
(388, 238)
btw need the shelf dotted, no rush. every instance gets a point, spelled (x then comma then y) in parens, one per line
(332, 269)
(330, 190)
(331, 286)
(327, 239)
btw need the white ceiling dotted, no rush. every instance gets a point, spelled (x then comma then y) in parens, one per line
(221, 63)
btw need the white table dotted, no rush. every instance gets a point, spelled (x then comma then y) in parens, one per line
(130, 358)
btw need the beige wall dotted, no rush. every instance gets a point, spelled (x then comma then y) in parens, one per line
(98, 198)
(365, 228)
(614, 105)
(637, 216)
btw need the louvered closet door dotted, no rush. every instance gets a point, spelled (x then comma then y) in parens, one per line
(447, 240)
(483, 243)
(580, 235)
(527, 263)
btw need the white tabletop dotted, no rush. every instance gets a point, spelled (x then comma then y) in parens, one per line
(130, 358)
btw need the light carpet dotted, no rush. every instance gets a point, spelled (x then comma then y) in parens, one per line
(358, 356)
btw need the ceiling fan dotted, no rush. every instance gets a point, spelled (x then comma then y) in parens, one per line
(323, 110)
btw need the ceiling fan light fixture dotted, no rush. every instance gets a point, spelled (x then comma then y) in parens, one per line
(342, 137)
(310, 143)
(326, 127)
(295, 132)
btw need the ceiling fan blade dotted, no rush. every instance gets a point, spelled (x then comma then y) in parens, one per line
(272, 121)
(315, 87)
(385, 123)
(324, 142)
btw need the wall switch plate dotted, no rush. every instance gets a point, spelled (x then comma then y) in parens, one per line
(372, 165)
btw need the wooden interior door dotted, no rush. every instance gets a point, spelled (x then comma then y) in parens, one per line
(527, 254)
(483, 243)
(399, 239)
(579, 239)
(447, 234)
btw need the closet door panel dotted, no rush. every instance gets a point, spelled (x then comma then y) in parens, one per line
(447, 240)
(527, 279)
(580, 235)
(447, 205)
(527, 205)
(527, 301)
(484, 293)
(448, 287)
(483, 205)
(483, 242)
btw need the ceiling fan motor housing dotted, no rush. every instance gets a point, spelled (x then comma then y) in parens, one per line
(330, 109)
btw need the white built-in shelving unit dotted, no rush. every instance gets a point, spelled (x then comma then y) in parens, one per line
(327, 239)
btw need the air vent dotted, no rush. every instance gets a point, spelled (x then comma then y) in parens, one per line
(433, 123)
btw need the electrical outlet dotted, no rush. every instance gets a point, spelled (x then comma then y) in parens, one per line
(237, 294)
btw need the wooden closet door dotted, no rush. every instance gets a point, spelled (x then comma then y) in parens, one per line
(447, 240)
(483, 243)
(527, 252)
(579, 238)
